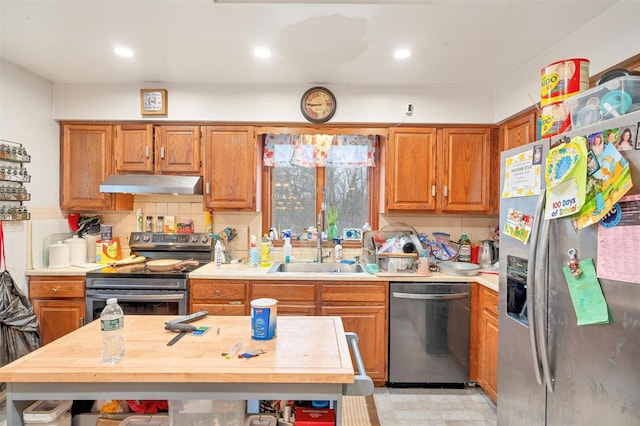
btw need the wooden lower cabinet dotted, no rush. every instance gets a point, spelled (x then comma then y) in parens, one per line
(484, 339)
(218, 297)
(58, 303)
(362, 307)
(294, 298)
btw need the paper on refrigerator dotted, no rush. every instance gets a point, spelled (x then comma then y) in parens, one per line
(522, 175)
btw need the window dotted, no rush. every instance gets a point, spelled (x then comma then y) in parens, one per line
(308, 173)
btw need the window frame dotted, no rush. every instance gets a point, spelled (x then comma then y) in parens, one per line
(373, 175)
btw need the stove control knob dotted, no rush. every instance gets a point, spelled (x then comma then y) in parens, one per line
(205, 239)
(194, 239)
(146, 237)
(135, 238)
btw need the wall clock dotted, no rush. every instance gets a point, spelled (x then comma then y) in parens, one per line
(153, 101)
(318, 104)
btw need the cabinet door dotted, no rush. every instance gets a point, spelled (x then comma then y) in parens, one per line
(230, 168)
(134, 148)
(58, 317)
(410, 170)
(85, 161)
(489, 360)
(178, 149)
(518, 131)
(466, 175)
(368, 322)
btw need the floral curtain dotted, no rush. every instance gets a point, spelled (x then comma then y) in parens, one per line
(281, 150)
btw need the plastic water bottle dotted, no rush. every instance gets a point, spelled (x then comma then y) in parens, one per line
(217, 256)
(112, 326)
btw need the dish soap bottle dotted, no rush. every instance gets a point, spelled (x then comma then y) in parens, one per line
(265, 251)
(139, 219)
(254, 258)
(338, 250)
(218, 254)
(464, 254)
(287, 250)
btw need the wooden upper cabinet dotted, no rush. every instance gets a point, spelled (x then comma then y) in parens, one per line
(134, 148)
(177, 150)
(466, 171)
(411, 169)
(229, 168)
(518, 131)
(86, 159)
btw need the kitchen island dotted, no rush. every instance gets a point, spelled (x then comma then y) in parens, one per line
(308, 360)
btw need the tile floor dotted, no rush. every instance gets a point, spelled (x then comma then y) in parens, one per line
(434, 407)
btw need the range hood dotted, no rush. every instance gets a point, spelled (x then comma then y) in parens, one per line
(153, 184)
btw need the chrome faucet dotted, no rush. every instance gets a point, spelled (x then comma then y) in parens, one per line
(319, 256)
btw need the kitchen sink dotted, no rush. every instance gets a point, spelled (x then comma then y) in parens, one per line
(316, 268)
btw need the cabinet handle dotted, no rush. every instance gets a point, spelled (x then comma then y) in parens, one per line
(445, 191)
(146, 151)
(54, 290)
(207, 188)
(162, 153)
(81, 321)
(433, 190)
(217, 292)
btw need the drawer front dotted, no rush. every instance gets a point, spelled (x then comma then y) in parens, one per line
(221, 309)
(354, 292)
(55, 289)
(223, 290)
(489, 300)
(284, 291)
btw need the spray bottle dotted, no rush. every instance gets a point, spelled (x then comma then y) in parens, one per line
(254, 258)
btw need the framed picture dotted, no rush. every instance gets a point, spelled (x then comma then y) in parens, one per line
(153, 101)
(592, 163)
(352, 234)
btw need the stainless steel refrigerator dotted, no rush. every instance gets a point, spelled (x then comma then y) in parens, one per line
(550, 370)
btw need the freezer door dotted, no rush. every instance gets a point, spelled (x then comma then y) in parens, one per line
(521, 399)
(595, 367)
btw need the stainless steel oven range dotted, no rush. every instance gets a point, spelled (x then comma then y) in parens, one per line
(141, 291)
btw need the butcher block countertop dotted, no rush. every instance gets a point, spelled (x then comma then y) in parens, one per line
(306, 350)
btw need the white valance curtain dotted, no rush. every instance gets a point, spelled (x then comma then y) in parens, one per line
(281, 150)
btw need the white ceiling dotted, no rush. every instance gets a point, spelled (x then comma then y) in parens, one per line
(453, 42)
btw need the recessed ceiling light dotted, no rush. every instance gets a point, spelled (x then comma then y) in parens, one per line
(125, 52)
(401, 54)
(261, 52)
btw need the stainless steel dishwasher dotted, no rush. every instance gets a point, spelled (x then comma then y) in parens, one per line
(429, 333)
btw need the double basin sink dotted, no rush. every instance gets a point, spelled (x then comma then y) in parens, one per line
(316, 268)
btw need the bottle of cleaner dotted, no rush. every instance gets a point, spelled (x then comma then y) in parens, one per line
(139, 220)
(112, 328)
(254, 258)
(287, 249)
(265, 252)
(338, 250)
(217, 255)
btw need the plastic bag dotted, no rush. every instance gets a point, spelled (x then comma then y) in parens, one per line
(19, 327)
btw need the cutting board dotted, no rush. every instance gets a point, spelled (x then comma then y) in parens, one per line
(40, 230)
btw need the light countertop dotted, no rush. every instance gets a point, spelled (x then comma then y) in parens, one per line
(245, 272)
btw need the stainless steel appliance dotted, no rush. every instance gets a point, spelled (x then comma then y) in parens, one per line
(550, 370)
(429, 334)
(141, 291)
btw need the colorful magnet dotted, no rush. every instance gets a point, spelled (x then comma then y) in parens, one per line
(612, 218)
(573, 263)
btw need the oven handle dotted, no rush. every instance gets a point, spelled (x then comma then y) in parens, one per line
(136, 297)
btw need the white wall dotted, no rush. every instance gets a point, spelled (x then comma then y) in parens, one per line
(26, 116)
(278, 104)
(609, 39)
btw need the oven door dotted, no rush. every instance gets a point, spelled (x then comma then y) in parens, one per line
(137, 302)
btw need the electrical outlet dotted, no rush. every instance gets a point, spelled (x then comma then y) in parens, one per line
(409, 109)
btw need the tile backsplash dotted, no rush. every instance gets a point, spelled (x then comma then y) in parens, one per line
(191, 207)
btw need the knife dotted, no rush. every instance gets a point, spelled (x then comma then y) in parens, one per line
(182, 329)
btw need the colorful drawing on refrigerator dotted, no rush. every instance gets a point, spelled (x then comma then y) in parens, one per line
(608, 184)
(522, 175)
(588, 301)
(518, 225)
(565, 175)
(619, 246)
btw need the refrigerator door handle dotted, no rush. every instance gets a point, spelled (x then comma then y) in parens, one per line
(541, 303)
(531, 286)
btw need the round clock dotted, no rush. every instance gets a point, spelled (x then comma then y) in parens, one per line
(318, 105)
